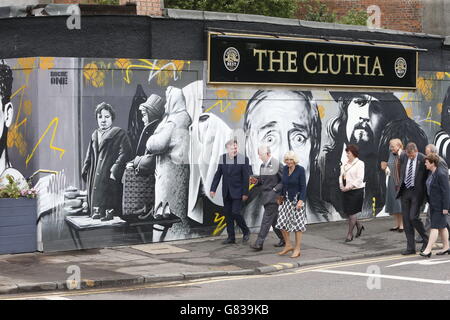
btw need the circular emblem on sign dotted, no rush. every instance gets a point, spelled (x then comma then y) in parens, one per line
(400, 67)
(231, 59)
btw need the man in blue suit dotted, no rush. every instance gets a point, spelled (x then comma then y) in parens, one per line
(234, 168)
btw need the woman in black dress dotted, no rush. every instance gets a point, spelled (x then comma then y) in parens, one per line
(438, 199)
(351, 182)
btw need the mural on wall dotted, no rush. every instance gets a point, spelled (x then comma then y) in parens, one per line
(370, 121)
(6, 124)
(129, 148)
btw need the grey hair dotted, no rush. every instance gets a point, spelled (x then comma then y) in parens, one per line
(410, 147)
(432, 147)
(264, 149)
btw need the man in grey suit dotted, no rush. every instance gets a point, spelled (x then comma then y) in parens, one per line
(270, 181)
(413, 175)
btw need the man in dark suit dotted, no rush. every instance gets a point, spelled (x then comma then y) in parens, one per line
(234, 168)
(413, 175)
(270, 181)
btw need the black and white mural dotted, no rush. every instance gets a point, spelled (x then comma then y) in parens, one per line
(127, 149)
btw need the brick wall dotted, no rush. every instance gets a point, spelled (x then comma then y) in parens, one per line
(405, 15)
(146, 7)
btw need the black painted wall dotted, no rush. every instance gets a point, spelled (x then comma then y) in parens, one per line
(145, 37)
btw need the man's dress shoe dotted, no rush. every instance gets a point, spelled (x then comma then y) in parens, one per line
(279, 244)
(229, 241)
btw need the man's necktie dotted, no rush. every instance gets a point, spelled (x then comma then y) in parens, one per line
(409, 177)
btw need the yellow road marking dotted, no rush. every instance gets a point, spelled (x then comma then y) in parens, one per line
(206, 281)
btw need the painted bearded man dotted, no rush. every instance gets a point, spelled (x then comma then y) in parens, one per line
(370, 121)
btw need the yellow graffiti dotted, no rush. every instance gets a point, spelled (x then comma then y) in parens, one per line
(404, 98)
(239, 110)
(54, 123)
(321, 110)
(27, 107)
(122, 63)
(93, 75)
(46, 63)
(221, 220)
(15, 137)
(27, 65)
(425, 87)
(440, 75)
(162, 78)
(221, 93)
(221, 104)
(430, 115)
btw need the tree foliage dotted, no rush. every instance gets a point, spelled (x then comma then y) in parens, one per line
(315, 10)
(274, 8)
(355, 17)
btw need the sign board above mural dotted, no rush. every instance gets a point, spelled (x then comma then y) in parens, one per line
(259, 59)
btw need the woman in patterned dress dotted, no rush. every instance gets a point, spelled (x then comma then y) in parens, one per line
(292, 215)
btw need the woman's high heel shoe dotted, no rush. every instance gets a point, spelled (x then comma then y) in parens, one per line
(358, 233)
(348, 240)
(426, 255)
(443, 252)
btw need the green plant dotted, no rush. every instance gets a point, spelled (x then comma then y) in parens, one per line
(107, 2)
(315, 10)
(355, 17)
(12, 190)
(274, 8)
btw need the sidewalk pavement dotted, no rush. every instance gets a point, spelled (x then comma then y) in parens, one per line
(192, 259)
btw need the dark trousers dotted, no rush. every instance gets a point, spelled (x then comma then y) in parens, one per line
(411, 219)
(232, 211)
(269, 220)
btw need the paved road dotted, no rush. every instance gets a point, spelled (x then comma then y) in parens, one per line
(389, 277)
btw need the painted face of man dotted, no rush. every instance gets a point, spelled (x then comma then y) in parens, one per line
(364, 123)
(104, 120)
(282, 125)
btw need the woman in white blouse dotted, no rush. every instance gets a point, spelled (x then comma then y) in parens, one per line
(351, 182)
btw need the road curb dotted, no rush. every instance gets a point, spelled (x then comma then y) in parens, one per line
(175, 277)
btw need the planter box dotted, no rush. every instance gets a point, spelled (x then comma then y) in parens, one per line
(18, 225)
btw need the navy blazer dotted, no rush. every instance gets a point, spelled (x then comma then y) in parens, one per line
(439, 192)
(235, 176)
(295, 184)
